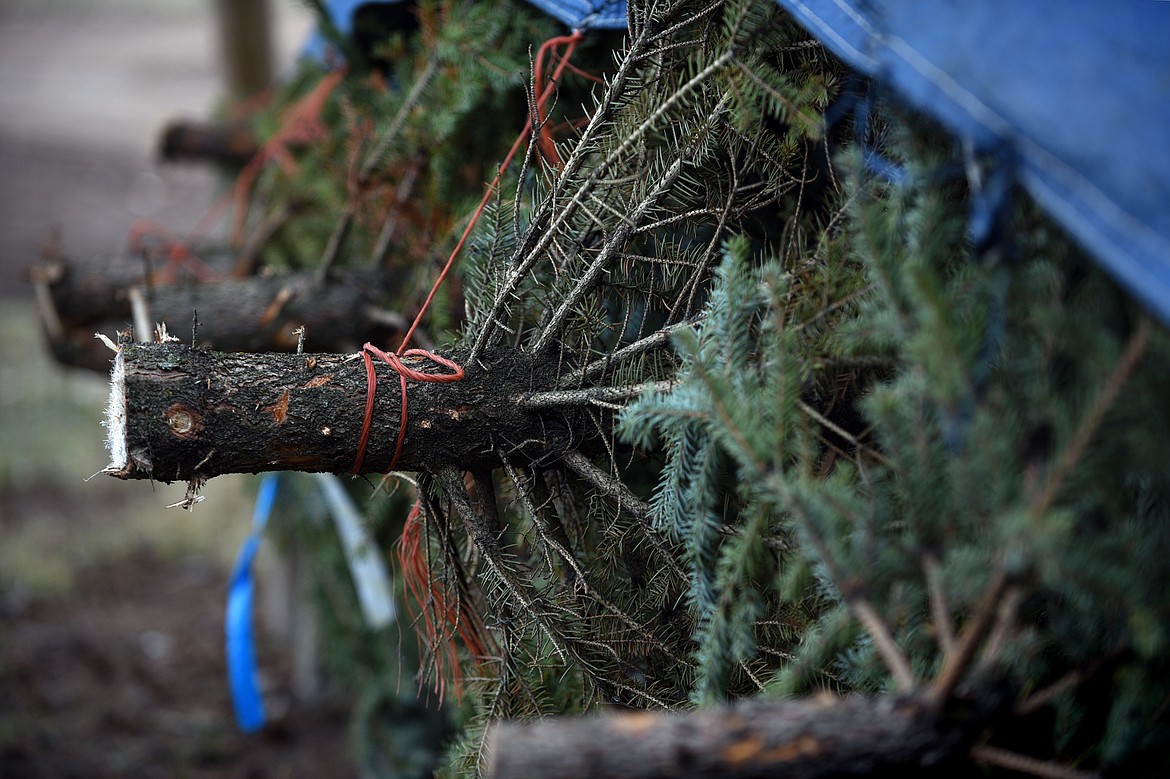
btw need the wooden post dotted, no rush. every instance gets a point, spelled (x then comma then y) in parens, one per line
(246, 40)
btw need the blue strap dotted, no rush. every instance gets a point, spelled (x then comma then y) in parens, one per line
(243, 677)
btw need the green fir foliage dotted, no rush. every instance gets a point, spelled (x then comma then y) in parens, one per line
(1014, 449)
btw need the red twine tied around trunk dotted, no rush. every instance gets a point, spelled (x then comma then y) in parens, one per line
(404, 373)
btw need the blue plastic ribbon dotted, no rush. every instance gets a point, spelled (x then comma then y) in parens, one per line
(243, 676)
(370, 580)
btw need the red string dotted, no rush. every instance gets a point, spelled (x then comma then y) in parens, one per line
(178, 254)
(404, 373)
(543, 93)
(440, 613)
(300, 124)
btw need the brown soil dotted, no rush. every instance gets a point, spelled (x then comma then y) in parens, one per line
(126, 678)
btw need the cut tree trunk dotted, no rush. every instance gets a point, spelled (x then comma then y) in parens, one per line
(228, 143)
(821, 737)
(251, 314)
(178, 413)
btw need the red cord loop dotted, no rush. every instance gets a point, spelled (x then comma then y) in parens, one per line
(404, 373)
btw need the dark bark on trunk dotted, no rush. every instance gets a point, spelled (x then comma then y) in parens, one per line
(820, 737)
(228, 143)
(253, 314)
(193, 413)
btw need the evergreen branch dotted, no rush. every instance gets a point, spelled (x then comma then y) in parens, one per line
(775, 94)
(940, 613)
(651, 699)
(530, 152)
(342, 228)
(264, 232)
(619, 215)
(488, 544)
(336, 241)
(547, 231)
(592, 275)
(374, 158)
(597, 221)
(402, 194)
(630, 257)
(650, 121)
(863, 363)
(557, 540)
(685, 216)
(696, 16)
(787, 657)
(1014, 761)
(821, 642)
(883, 641)
(834, 306)
(589, 395)
(747, 454)
(640, 15)
(955, 663)
(437, 655)
(692, 287)
(997, 639)
(540, 230)
(606, 484)
(774, 163)
(862, 609)
(760, 686)
(829, 424)
(1071, 680)
(594, 371)
(675, 46)
(1089, 424)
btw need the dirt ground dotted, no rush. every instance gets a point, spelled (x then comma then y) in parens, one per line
(112, 659)
(126, 678)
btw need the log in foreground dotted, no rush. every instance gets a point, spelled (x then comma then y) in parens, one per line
(819, 737)
(178, 413)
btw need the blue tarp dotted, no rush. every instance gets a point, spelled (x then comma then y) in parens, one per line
(576, 14)
(586, 14)
(1076, 93)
